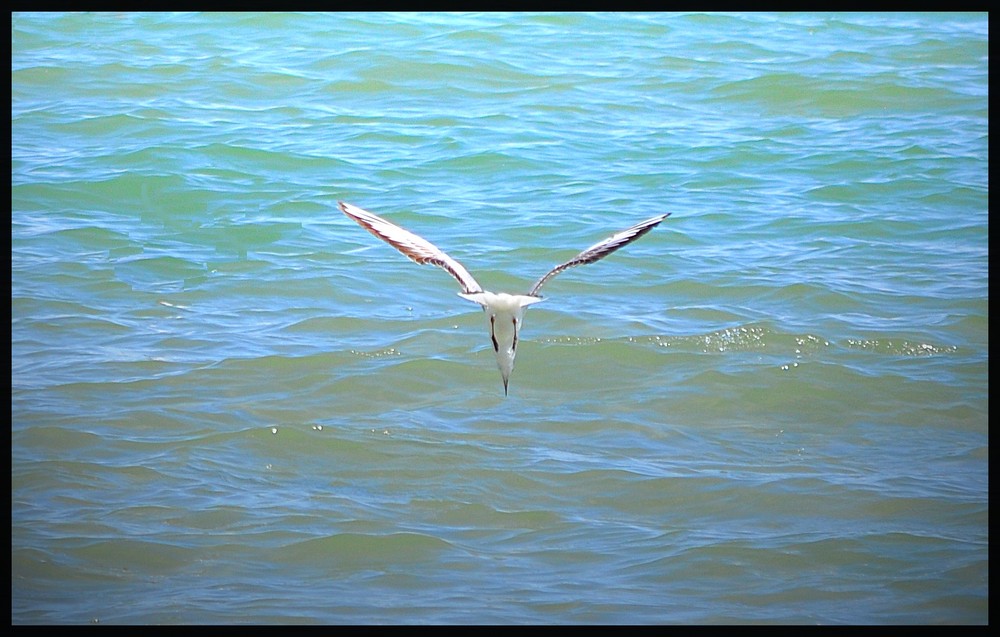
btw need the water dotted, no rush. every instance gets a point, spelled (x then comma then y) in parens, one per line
(231, 404)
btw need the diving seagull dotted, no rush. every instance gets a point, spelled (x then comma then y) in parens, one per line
(505, 311)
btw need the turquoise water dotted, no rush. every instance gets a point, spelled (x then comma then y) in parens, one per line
(229, 403)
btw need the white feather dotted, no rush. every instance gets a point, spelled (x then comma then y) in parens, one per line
(505, 312)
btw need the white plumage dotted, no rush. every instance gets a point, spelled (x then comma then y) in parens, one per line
(504, 311)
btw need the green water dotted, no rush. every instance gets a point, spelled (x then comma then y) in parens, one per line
(231, 404)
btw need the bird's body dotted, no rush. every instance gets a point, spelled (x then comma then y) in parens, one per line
(504, 311)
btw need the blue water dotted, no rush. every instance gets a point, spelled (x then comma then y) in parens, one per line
(230, 404)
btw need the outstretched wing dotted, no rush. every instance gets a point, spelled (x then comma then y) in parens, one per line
(416, 248)
(600, 250)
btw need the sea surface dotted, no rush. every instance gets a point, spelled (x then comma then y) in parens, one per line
(231, 404)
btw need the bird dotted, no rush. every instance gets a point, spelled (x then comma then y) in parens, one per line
(504, 311)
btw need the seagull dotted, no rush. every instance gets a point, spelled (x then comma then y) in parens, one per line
(504, 311)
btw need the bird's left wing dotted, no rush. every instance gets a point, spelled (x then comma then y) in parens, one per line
(602, 249)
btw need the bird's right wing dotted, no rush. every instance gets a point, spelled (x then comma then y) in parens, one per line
(416, 248)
